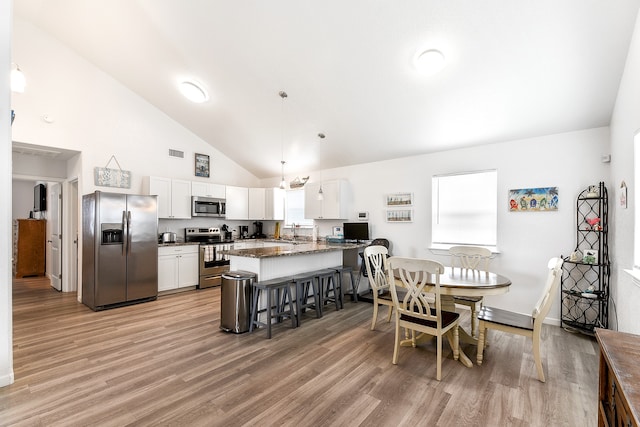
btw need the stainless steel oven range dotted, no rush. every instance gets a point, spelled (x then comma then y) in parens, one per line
(212, 263)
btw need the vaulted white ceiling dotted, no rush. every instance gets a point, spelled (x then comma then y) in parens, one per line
(515, 69)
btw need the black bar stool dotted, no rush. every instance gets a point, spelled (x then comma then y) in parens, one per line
(278, 309)
(330, 290)
(341, 269)
(305, 283)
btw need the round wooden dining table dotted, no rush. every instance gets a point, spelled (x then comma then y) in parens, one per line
(464, 282)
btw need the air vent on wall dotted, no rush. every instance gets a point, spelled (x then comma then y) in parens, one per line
(176, 153)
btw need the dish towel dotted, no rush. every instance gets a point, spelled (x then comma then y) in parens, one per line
(208, 253)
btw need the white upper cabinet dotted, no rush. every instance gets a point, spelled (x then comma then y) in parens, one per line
(205, 189)
(274, 204)
(174, 196)
(334, 203)
(256, 203)
(312, 206)
(237, 202)
(266, 203)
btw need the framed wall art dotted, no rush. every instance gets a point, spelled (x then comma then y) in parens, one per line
(533, 199)
(108, 177)
(399, 199)
(399, 215)
(202, 165)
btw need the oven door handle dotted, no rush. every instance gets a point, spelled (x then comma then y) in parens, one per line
(210, 281)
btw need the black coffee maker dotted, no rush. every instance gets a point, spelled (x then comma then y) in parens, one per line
(258, 230)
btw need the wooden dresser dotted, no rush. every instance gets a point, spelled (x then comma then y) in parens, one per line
(31, 247)
(619, 390)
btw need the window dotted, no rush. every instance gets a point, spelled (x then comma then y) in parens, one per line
(294, 209)
(465, 209)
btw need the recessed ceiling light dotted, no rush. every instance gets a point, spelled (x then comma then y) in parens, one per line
(429, 61)
(193, 91)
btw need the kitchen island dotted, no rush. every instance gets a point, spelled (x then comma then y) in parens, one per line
(287, 259)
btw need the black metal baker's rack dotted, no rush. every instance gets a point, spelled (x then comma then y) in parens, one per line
(585, 275)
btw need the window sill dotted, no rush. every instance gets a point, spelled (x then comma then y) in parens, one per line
(443, 249)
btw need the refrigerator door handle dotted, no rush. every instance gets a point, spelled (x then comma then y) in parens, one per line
(125, 231)
(128, 231)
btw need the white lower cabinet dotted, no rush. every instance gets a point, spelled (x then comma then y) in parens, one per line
(177, 267)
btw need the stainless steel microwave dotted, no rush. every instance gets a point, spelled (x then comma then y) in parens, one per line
(207, 206)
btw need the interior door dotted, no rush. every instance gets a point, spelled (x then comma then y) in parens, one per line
(73, 270)
(55, 216)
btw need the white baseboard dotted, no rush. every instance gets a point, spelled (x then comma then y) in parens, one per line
(6, 379)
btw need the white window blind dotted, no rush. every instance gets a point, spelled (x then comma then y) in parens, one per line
(465, 208)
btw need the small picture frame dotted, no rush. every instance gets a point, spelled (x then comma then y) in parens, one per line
(202, 165)
(590, 256)
(399, 199)
(399, 215)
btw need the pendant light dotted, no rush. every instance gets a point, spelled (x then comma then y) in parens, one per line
(283, 183)
(320, 193)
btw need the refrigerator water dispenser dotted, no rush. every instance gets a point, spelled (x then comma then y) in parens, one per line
(111, 234)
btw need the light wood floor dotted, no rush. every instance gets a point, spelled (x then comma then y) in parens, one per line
(166, 363)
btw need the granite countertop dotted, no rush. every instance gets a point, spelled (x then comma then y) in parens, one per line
(290, 249)
(178, 244)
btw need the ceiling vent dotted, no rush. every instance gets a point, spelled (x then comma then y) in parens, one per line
(176, 153)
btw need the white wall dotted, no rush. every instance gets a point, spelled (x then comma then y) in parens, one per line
(37, 166)
(22, 200)
(98, 116)
(95, 114)
(625, 123)
(6, 337)
(526, 240)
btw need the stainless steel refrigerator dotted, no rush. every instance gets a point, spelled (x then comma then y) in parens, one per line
(119, 249)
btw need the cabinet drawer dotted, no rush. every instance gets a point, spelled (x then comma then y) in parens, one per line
(177, 250)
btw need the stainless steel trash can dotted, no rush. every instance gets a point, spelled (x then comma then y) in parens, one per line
(235, 301)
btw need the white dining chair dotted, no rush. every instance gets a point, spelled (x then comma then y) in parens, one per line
(414, 310)
(473, 259)
(521, 324)
(375, 260)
